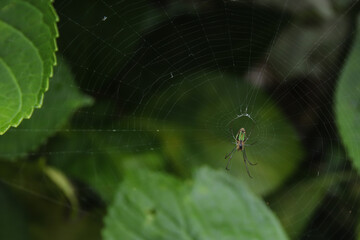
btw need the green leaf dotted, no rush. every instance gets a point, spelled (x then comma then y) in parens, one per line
(62, 100)
(11, 94)
(347, 106)
(12, 219)
(50, 16)
(213, 206)
(27, 54)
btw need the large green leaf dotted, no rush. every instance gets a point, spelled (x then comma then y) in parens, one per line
(27, 54)
(213, 206)
(347, 105)
(62, 100)
(50, 16)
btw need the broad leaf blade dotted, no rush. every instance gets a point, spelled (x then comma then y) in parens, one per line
(215, 206)
(27, 47)
(62, 100)
(220, 202)
(26, 67)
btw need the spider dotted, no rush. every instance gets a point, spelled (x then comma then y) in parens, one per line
(240, 141)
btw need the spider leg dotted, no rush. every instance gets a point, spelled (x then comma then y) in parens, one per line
(250, 144)
(230, 157)
(245, 157)
(227, 155)
(247, 170)
(228, 163)
(251, 163)
(232, 133)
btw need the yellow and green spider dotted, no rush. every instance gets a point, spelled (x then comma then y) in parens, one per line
(240, 143)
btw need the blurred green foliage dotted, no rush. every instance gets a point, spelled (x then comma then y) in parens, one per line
(171, 82)
(97, 169)
(348, 104)
(297, 206)
(12, 217)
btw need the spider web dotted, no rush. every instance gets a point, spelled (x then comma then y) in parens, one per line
(162, 71)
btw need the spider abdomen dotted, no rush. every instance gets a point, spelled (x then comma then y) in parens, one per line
(240, 145)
